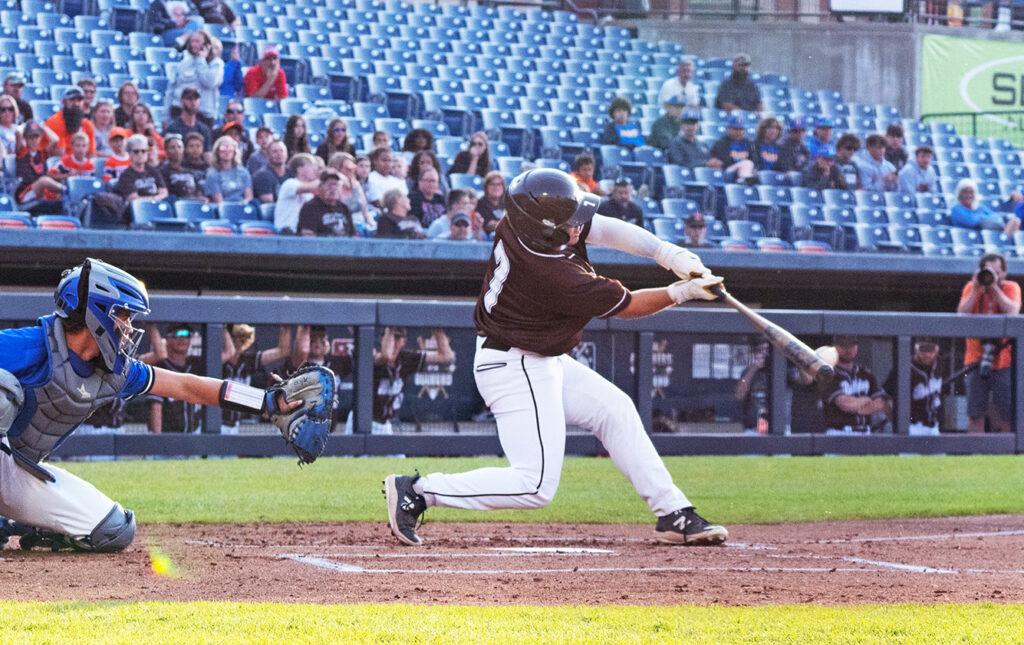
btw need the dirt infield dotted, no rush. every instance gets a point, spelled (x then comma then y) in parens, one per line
(835, 563)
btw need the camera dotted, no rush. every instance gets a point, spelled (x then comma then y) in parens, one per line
(986, 277)
(988, 356)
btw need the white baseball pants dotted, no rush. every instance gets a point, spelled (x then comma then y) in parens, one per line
(533, 398)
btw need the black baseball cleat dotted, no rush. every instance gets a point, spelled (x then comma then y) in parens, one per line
(405, 507)
(686, 527)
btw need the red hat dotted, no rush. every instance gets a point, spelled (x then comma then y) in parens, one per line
(119, 132)
(270, 50)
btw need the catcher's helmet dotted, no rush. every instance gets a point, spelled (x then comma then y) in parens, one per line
(542, 203)
(93, 294)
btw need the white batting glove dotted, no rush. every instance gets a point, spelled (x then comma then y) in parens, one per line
(682, 262)
(695, 289)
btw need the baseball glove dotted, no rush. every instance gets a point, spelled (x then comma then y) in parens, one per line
(306, 427)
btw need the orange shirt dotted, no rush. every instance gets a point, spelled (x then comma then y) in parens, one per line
(69, 166)
(985, 305)
(114, 167)
(56, 123)
(591, 184)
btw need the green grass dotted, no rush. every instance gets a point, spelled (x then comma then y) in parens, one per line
(277, 623)
(727, 489)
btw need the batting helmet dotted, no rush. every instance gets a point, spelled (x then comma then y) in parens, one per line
(542, 203)
(93, 294)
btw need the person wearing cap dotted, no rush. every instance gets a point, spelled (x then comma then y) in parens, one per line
(822, 173)
(853, 396)
(266, 79)
(666, 127)
(188, 120)
(459, 201)
(821, 138)
(173, 353)
(619, 204)
(737, 91)
(38, 141)
(734, 153)
(680, 85)
(198, 68)
(926, 375)
(919, 177)
(895, 153)
(695, 232)
(793, 154)
(684, 149)
(846, 147)
(619, 130)
(70, 120)
(325, 214)
(234, 118)
(460, 229)
(876, 174)
(766, 144)
(180, 181)
(118, 159)
(13, 83)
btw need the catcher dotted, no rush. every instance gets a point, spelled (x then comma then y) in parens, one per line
(55, 374)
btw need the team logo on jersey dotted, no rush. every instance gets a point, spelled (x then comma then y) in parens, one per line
(83, 391)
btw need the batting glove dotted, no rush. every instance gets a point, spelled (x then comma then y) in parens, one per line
(682, 262)
(696, 289)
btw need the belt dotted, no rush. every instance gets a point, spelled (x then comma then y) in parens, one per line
(497, 345)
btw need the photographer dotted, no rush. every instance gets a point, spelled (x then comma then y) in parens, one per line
(989, 292)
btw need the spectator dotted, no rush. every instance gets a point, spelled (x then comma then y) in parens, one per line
(821, 138)
(583, 172)
(400, 169)
(738, 92)
(362, 212)
(258, 159)
(491, 205)
(734, 153)
(335, 140)
(118, 159)
(70, 120)
(822, 173)
(88, 87)
(459, 201)
(188, 121)
(233, 85)
(170, 415)
(295, 138)
(102, 123)
(427, 159)
(180, 181)
(142, 123)
(247, 364)
(312, 345)
(925, 387)
(894, 150)
(619, 130)
(619, 205)
(475, 160)
(30, 165)
(793, 154)
(766, 144)
(846, 147)
(267, 181)
(296, 191)
(234, 124)
(382, 139)
(195, 159)
(363, 170)
(266, 79)
(876, 174)
(425, 200)
(684, 150)
(680, 85)
(970, 213)
(76, 163)
(919, 177)
(752, 391)
(228, 180)
(459, 229)
(989, 292)
(127, 97)
(153, 155)
(13, 83)
(666, 127)
(198, 68)
(217, 12)
(325, 214)
(380, 180)
(8, 125)
(139, 181)
(853, 396)
(395, 219)
(173, 19)
(695, 232)
(417, 140)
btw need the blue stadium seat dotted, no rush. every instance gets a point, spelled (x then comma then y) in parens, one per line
(155, 216)
(875, 238)
(462, 181)
(58, 223)
(809, 222)
(15, 220)
(812, 246)
(872, 216)
(194, 212)
(235, 212)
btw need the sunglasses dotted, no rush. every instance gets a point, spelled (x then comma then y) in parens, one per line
(6, 109)
(233, 110)
(182, 333)
(134, 150)
(927, 348)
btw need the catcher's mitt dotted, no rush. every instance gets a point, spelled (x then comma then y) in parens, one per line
(306, 427)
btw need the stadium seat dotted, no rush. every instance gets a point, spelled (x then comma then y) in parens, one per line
(235, 212)
(811, 246)
(58, 223)
(463, 181)
(256, 228)
(155, 216)
(13, 219)
(909, 236)
(773, 245)
(194, 212)
(216, 227)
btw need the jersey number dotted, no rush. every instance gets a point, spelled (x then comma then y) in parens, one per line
(501, 269)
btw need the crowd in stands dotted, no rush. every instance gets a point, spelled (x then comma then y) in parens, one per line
(197, 142)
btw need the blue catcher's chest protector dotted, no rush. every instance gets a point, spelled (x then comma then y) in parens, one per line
(63, 402)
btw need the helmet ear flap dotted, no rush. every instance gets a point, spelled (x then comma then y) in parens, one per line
(78, 315)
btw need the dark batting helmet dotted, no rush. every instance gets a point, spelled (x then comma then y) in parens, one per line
(542, 203)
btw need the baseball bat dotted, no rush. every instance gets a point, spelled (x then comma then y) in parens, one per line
(787, 343)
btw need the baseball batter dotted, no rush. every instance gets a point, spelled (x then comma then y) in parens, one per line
(539, 292)
(53, 376)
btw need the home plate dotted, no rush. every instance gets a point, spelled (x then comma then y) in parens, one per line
(549, 549)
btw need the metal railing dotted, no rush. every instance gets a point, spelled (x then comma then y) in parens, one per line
(1008, 124)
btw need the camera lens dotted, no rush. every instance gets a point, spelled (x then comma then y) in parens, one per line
(986, 277)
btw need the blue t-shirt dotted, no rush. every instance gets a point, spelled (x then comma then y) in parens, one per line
(230, 184)
(980, 217)
(768, 155)
(629, 134)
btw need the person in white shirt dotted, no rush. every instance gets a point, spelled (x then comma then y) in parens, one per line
(919, 177)
(681, 85)
(381, 180)
(296, 191)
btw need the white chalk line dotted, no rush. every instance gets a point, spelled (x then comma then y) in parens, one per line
(907, 538)
(424, 555)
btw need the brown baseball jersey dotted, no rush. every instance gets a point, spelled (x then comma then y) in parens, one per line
(540, 302)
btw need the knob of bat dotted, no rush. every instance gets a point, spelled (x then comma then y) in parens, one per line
(825, 374)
